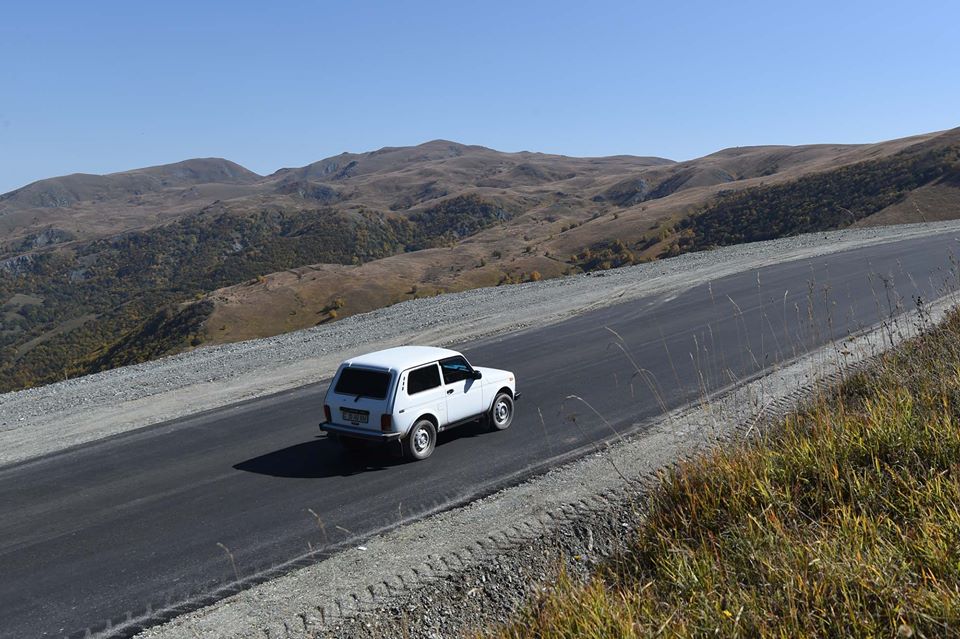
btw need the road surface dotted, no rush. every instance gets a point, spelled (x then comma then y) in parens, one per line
(177, 510)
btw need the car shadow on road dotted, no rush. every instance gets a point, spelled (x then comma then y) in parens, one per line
(318, 458)
(325, 457)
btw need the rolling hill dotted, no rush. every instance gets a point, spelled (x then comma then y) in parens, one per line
(100, 271)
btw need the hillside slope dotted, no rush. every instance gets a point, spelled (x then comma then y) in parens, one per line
(100, 271)
(796, 189)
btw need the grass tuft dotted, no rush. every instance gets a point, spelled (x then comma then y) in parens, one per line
(843, 521)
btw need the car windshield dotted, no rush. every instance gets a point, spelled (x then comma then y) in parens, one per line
(363, 382)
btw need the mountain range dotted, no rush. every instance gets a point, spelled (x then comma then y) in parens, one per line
(100, 271)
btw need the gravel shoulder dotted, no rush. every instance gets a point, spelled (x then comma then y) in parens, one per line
(40, 421)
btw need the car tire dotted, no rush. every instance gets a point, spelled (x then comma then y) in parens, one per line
(501, 412)
(421, 440)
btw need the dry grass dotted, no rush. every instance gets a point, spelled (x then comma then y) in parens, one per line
(844, 521)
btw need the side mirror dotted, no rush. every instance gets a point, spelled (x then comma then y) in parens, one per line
(477, 374)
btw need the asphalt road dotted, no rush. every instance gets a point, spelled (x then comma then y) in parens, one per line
(163, 514)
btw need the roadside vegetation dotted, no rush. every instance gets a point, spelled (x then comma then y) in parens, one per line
(609, 254)
(842, 521)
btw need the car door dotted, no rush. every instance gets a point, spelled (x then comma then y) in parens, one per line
(425, 393)
(464, 395)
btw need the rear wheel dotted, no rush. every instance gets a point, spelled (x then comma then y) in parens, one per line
(501, 413)
(421, 440)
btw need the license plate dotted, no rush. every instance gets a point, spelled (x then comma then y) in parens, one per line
(355, 416)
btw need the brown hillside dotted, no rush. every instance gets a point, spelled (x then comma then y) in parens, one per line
(83, 206)
(577, 211)
(133, 265)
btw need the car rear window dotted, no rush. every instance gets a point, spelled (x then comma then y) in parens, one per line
(423, 379)
(363, 382)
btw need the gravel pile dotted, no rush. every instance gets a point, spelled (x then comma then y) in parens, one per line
(38, 421)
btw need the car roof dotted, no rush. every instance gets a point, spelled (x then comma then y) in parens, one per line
(401, 358)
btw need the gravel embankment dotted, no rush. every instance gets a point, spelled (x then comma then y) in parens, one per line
(39, 421)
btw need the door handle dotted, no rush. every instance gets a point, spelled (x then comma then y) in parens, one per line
(450, 392)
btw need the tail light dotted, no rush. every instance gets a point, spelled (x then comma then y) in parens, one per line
(326, 413)
(386, 423)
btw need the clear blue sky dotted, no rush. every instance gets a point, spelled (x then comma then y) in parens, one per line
(105, 86)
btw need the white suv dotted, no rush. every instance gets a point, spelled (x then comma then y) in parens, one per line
(410, 394)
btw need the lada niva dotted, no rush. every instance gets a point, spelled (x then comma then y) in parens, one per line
(411, 393)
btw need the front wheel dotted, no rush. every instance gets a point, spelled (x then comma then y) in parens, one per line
(421, 440)
(501, 413)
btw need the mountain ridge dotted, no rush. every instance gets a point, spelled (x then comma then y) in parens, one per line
(204, 251)
(88, 186)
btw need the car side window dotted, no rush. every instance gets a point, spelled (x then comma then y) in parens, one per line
(455, 369)
(422, 379)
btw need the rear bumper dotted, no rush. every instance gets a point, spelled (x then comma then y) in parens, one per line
(359, 433)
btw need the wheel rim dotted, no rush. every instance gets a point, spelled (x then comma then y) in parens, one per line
(501, 412)
(421, 440)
